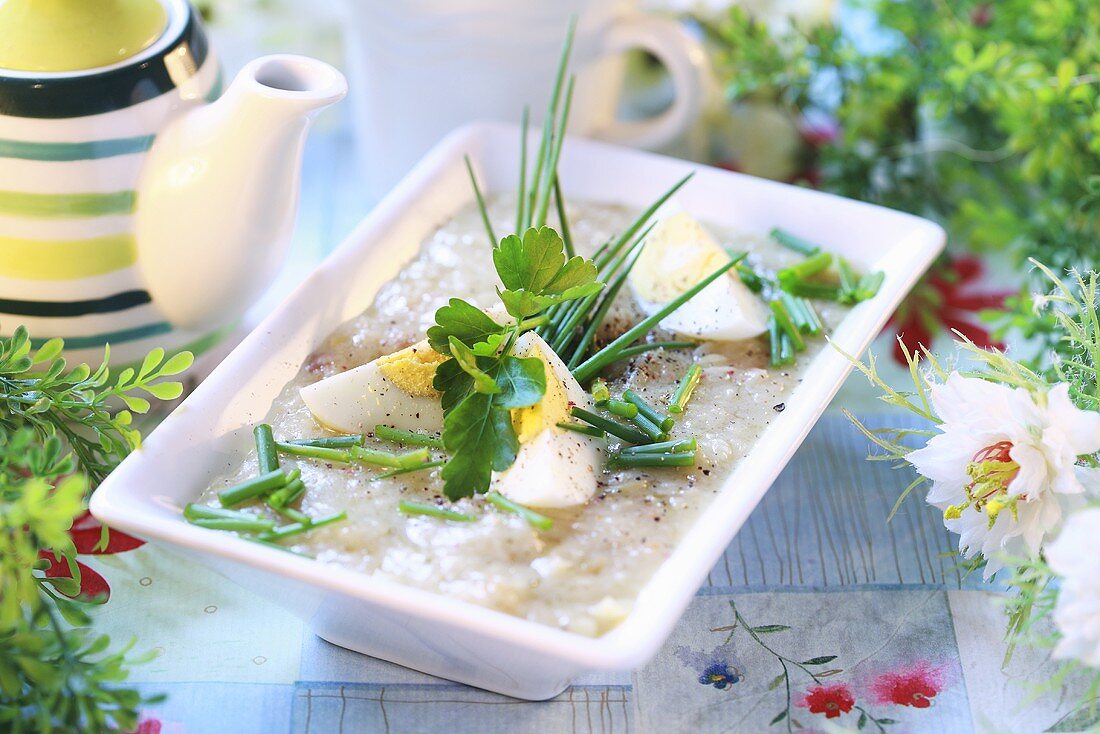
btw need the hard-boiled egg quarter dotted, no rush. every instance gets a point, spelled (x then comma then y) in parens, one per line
(677, 254)
(554, 467)
(394, 390)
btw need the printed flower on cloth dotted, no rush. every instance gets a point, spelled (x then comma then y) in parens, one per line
(1075, 557)
(1003, 469)
(719, 667)
(912, 685)
(831, 700)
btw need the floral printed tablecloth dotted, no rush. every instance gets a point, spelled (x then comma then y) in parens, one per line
(820, 616)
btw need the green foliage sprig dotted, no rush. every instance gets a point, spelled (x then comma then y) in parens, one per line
(981, 115)
(61, 433)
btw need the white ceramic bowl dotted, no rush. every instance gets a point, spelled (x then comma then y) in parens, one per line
(211, 430)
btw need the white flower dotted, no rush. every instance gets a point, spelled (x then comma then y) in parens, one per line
(1075, 556)
(1004, 469)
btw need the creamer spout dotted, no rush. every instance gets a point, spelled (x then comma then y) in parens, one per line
(219, 191)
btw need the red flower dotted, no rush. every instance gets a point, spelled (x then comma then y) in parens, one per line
(148, 726)
(831, 700)
(945, 300)
(92, 585)
(915, 686)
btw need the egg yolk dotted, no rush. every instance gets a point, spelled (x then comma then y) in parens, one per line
(412, 369)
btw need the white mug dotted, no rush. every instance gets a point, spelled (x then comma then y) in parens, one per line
(420, 68)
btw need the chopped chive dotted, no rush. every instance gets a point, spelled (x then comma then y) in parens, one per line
(675, 446)
(206, 512)
(480, 202)
(752, 279)
(521, 194)
(542, 522)
(330, 442)
(615, 428)
(810, 289)
(685, 389)
(421, 508)
(786, 349)
(600, 392)
(775, 343)
(786, 325)
(848, 278)
(266, 454)
(342, 456)
(869, 285)
(667, 459)
(643, 348)
(298, 528)
(293, 515)
(287, 495)
(662, 421)
(649, 428)
(802, 270)
(621, 408)
(387, 458)
(582, 428)
(257, 525)
(410, 469)
(252, 488)
(797, 314)
(559, 204)
(610, 353)
(409, 438)
(792, 242)
(269, 544)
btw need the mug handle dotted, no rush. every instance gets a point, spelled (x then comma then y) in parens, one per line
(684, 57)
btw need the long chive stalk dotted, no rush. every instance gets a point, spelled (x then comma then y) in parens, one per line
(298, 528)
(542, 522)
(546, 188)
(421, 508)
(637, 349)
(266, 454)
(686, 387)
(601, 311)
(637, 460)
(582, 428)
(408, 438)
(626, 433)
(676, 446)
(330, 442)
(340, 456)
(546, 144)
(252, 488)
(559, 204)
(206, 512)
(481, 203)
(792, 242)
(258, 525)
(661, 420)
(521, 193)
(293, 515)
(388, 459)
(610, 353)
(410, 469)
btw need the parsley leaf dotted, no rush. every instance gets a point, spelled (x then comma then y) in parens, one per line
(467, 360)
(480, 438)
(522, 382)
(536, 274)
(463, 321)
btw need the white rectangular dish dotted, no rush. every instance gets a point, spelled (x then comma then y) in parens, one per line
(429, 632)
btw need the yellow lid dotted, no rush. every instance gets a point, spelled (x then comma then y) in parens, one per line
(72, 35)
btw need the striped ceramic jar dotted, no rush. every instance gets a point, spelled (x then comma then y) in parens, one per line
(72, 145)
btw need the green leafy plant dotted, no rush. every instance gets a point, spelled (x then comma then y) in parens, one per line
(981, 115)
(61, 432)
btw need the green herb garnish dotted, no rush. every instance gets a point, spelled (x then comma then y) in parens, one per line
(410, 469)
(542, 522)
(266, 454)
(582, 428)
(626, 433)
(675, 446)
(686, 387)
(408, 438)
(330, 442)
(252, 488)
(340, 456)
(658, 418)
(621, 408)
(298, 528)
(421, 508)
(680, 458)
